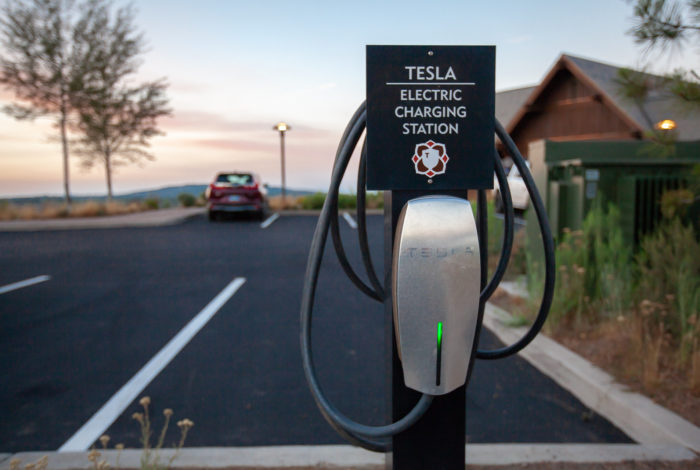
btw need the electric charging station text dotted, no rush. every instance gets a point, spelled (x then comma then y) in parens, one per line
(419, 94)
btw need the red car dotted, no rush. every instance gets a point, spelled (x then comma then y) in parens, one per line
(236, 192)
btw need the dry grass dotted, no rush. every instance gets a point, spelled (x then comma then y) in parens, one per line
(290, 203)
(633, 348)
(54, 210)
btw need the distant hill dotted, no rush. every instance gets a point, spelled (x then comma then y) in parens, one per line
(168, 193)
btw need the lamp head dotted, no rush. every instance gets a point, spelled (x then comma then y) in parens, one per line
(666, 125)
(282, 127)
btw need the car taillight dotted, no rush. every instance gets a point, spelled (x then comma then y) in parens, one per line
(212, 190)
(251, 186)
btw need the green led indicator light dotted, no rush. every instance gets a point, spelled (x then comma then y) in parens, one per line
(439, 353)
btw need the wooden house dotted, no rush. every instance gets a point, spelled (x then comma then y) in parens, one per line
(580, 99)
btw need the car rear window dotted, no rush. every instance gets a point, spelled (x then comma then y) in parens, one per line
(235, 179)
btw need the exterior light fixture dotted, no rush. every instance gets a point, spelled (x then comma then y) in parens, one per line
(666, 125)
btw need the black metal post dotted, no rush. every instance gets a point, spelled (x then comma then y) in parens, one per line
(437, 441)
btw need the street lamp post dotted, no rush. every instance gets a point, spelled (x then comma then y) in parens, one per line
(283, 127)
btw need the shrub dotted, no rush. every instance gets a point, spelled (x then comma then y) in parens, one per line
(593, 270)
(347, 201)
(186, 199)
(669, 276)
(374, 200)
(313, 201)
(88, 209)
(607, 261)
(676, 203)
(152, 203)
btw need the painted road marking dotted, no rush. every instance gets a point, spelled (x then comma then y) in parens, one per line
(25, 283)
(351, 222)
(116, 405)
(269, 220)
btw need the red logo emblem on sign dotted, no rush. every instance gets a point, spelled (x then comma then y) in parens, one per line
(430, 158)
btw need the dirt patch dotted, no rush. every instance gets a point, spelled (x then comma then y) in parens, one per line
(612, 347)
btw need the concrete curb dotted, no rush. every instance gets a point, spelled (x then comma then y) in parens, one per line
(317, 212)
(640, 418)
(157, 218)
(140, 219)
(344, 456)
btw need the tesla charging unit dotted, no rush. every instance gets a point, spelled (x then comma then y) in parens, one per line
(430, 125)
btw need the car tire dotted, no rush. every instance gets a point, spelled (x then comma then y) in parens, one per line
(213, 216)
(264, 210)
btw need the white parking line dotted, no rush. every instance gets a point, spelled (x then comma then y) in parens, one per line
(116, 405)
(25, 283)
(351, 222)
(269, 220)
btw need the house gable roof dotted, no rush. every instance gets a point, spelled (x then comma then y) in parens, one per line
(603, 79)
(509, 102)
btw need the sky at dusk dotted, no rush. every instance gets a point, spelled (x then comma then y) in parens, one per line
(236, 68)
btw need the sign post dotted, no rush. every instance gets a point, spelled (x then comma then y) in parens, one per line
(430, 130)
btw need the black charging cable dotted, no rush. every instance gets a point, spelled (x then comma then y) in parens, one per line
(357, 433)
(548, 243)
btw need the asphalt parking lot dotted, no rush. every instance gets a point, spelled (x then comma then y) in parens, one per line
(114, 299)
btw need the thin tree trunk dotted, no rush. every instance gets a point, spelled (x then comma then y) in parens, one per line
(66, 168)
(108, 173)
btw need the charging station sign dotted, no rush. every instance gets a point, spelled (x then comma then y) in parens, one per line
(430, 117)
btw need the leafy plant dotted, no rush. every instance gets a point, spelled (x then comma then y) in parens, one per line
(593, 271)
(669, 274)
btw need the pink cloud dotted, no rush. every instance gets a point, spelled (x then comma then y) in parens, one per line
(212, 122)
(234, 145)
(6, 95)
(200, 120)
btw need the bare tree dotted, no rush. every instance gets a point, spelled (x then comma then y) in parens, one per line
(43, 48)
(116, 119)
